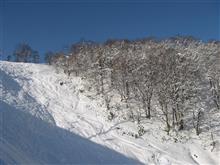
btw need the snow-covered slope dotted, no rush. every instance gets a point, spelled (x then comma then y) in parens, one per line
(28, 140)
(29, 133)
(43, 121)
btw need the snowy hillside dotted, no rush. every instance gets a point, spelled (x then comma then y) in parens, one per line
(46, 117)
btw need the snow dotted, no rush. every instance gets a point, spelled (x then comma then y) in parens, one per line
(46, 122)
(29, 140)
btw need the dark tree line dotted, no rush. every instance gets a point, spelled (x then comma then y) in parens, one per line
(24, 53)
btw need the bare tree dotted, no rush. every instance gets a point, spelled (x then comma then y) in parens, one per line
(23, 53)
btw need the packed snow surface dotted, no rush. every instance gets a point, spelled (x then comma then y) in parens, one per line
(48, 118)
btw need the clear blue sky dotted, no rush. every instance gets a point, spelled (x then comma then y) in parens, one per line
(53, 24)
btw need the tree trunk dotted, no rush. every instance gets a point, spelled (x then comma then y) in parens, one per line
(198, 123)
(167, 120)
(149, 109)
(149, 97)
(102, 82)
(144, 106)
(127, 89)
(173, 116)
(216, 103)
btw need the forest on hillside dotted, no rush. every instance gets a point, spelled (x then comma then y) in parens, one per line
(175, 79)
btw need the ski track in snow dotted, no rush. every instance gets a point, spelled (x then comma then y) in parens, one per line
(76, 113)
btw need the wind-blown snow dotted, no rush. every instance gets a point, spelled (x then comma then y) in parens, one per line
(45, 122)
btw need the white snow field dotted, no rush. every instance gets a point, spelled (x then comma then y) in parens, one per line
(43, 122)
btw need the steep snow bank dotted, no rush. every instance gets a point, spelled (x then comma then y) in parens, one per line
(26, 139)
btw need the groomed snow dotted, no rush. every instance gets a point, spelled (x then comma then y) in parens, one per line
(45, 122)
